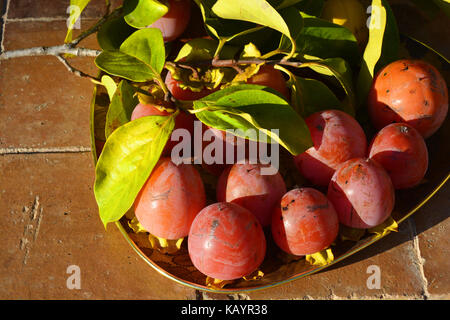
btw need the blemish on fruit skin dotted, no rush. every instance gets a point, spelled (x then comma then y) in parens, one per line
(313, 208)
(403, 129)
(285, 208)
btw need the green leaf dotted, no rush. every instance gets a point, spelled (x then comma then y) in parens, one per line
(323, 39)
(315, 96)
(122, 65)
(382, 47)
(127, 159)
(257, 110)
(259, 12)
(146, 45)
(113, 33)
(142, 13)
(339, 69)
(122, 105)
(141, 57)
(234, 88)
(310, 95)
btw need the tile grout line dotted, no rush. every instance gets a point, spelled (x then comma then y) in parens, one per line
(420, 260)
(3, 26)
(12, 151)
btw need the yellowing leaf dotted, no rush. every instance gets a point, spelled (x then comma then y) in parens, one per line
(165, 246)
(382, 47)
(256, 275)
(75, 9)
(136, 226)
(110, 85)
(320, 258)
(216, 284)
(251, 51)
(381, 230)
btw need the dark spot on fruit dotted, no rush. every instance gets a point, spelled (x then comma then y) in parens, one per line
(412, 91)
(406, 67)
(346, 181)
(385, 74)
(284, 208)
(387, 91)
(317, 207)
(319, 127)
(214, 224)
(425, 103)
(403, 129)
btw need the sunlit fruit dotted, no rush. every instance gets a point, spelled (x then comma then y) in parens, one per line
(409, 91)
(337, 137)
(251, 187)
(226, 241)
(304, 222)
(170, 199)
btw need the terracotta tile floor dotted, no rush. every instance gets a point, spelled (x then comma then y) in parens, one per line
(49, 219)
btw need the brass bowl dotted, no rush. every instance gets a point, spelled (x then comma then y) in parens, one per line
(278, 267)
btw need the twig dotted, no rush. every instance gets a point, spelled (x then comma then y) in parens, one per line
(73, 70)
(49, 51)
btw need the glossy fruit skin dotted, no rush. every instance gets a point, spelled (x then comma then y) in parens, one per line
(304, 222)
(402, 152)
(175, 21)
(182, 121)
(270, 77)
(246, 185)
(337, 137)
(350, 14)
(184, 94)
(226, 241)
(362, 193)
(170, 199)
(409, 91)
